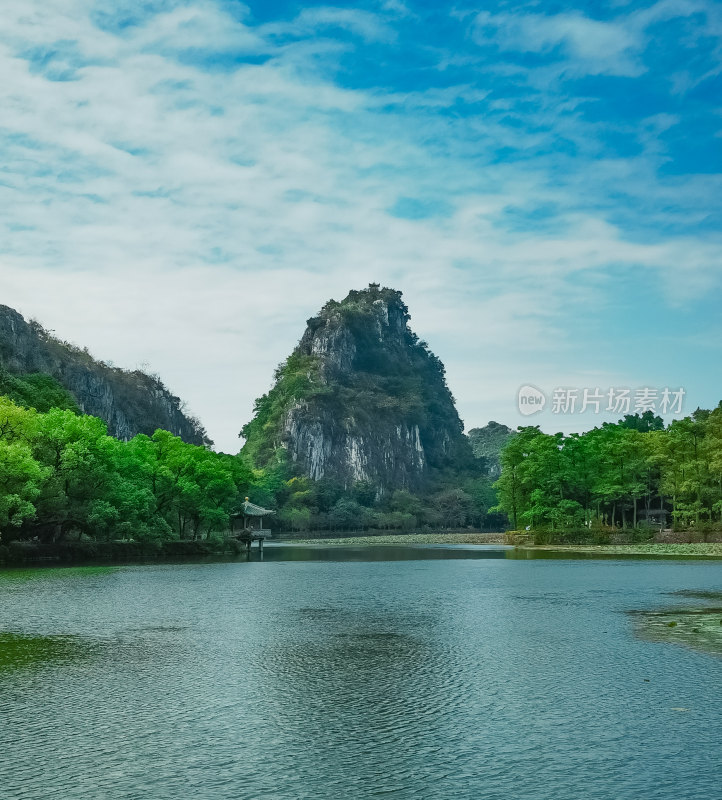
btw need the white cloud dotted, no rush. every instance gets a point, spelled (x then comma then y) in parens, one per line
(199, 28)
(367, 25)
(589, 46)
(194, 218)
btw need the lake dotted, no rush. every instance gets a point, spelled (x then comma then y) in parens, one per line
(330, 672)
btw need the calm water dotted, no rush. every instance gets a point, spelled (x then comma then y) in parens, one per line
(409, 675)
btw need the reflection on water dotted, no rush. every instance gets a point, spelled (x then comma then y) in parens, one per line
(698, 594)
(18, 650)
(17, 575)
(383, 552)
(441, 674)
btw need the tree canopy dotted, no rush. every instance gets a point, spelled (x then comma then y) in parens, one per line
(619, 475)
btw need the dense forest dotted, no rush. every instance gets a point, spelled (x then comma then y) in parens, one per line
(63, 478)
(635, 475)
(62, 475)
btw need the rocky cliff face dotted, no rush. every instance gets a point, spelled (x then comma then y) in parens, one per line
(130, 402)
(360, 399)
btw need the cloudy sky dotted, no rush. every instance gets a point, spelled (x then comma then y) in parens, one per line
(185, 183)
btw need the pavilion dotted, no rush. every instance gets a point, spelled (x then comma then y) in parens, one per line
(251, 513)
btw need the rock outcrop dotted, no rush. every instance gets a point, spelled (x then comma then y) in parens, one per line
(130, 402)
(360, 399)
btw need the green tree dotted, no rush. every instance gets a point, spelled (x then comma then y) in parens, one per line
(453, 507)
(21, 480)
(346, 514)
(81, 457)
(514, 486)
(36, 390)
(642, 422)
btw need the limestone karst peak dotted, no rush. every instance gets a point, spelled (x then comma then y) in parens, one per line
(360, 398)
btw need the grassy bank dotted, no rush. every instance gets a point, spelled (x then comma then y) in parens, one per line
(698, 549)
(409, 538)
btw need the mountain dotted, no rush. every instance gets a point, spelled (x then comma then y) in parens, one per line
(130, 402)
(488, 442)
(360, 399)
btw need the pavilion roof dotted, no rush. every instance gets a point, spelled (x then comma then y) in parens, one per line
(252, 510)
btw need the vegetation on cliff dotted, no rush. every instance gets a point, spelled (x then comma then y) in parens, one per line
(130, 401)
(361, 398)
(36, 390)
(294, 380)
(362, 431)
(487, 444)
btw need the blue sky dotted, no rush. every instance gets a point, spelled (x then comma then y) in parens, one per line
(184, 183)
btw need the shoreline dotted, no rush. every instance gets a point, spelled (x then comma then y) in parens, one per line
(128, 553)
(401, 538)
(656, 549)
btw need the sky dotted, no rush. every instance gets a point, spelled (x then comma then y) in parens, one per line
(184, 184)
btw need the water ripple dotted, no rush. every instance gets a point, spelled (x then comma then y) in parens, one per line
(467, 679)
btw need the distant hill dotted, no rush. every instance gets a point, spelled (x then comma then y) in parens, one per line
(130, 402)
(360, 399)
(488, 442)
